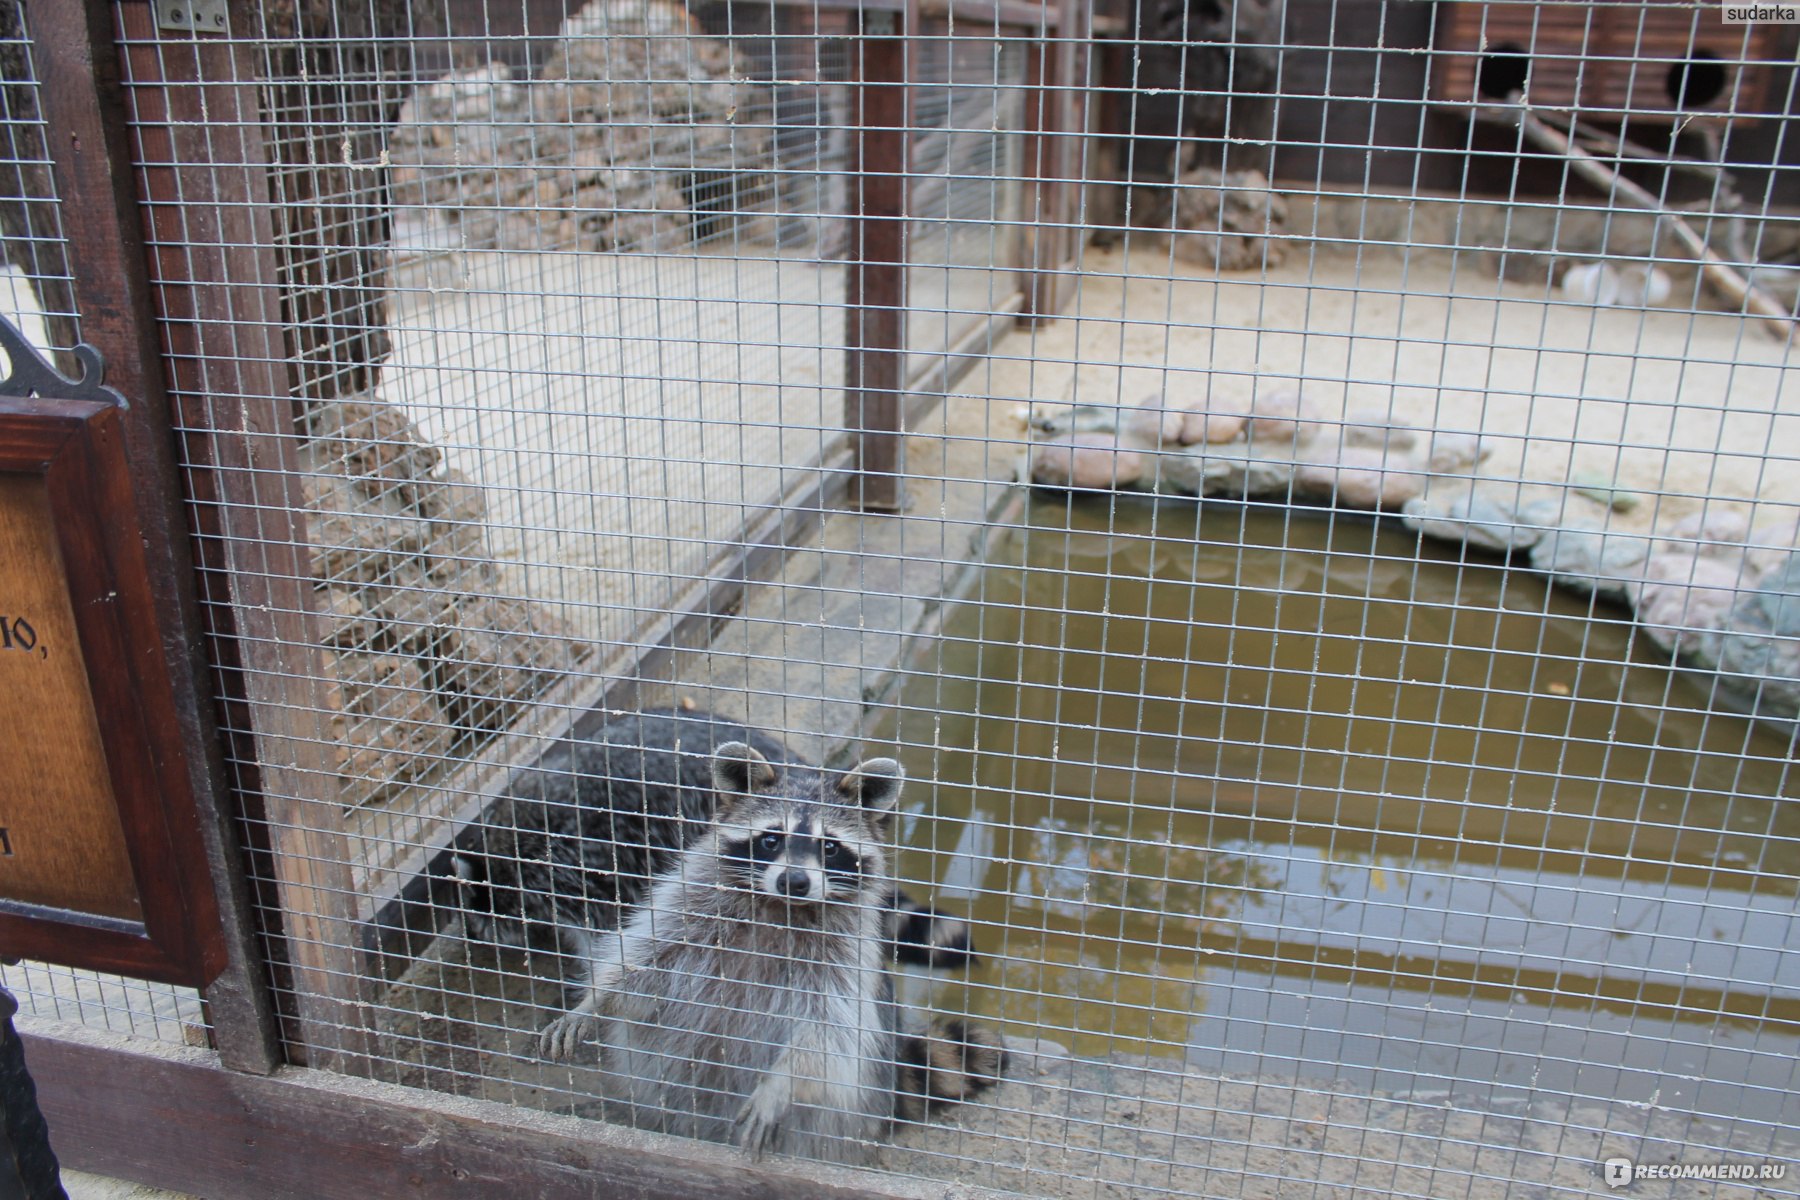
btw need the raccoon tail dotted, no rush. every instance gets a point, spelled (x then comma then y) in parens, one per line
(953, 1061)
(924, 937)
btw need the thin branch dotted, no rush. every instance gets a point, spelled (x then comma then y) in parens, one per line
(1740, 291)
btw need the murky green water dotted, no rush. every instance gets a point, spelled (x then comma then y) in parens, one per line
(1294, 794)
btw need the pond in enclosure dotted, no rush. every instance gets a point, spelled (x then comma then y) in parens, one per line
(1287, 793)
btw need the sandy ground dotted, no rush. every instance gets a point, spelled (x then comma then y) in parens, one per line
(625, 411)
(622, 411)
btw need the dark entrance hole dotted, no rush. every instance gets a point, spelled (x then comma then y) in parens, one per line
(1503, 71)
(1696, 82)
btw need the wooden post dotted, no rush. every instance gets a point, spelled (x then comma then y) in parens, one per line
(1054, 114)
(875, 290)
(89, 146)
(193, 100)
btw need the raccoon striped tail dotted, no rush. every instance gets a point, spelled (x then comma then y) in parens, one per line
(953, 1061)
(924, 937)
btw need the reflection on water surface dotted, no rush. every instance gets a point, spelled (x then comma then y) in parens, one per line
(1290, 793)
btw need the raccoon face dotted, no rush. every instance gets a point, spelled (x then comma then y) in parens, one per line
(778, 841)
(798, 854)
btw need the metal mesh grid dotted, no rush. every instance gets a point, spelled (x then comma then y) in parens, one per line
(1305, 853)
(963, 185)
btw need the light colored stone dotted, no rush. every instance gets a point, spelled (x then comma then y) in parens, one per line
(371, 442)
(1488, 517)
(1275, 417)
(348, 625)
(1713, 524)
(1777, 598)
(1703, 608)
(1590, 560)
(1232, 470)
(1374, 430)
(1591, 283)
(1152, 424)
(497, 654)
(1685, 600)
(425, 656)
(1455, 453)
(1765, 671)
(356, 538)
(1213, 428)
(1361, 478)
(1642, 285)
(1770, 549)
(1085, 462)
(1601, 490)
(633, 97)
(1059, 419)
(457, 510)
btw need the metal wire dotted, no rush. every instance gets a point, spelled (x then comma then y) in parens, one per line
(1449, 851)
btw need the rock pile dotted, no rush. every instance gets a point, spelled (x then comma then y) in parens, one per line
(1716, 594)
(427, 655)
(628, 131)
(1228, 221)
(1265, 449)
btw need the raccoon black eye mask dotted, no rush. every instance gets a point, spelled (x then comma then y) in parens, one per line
(571, 848)
(785, 860)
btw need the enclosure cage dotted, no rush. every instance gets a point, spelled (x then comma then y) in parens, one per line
(1306, 490)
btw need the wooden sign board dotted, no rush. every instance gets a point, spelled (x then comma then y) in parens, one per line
(101, 865)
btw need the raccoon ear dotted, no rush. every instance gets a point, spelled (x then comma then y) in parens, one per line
(874, 784)
(739, 770)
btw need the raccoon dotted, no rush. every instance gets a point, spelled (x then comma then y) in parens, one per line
(574, 844)
(749, 998)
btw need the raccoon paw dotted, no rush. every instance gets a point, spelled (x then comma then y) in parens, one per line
(568, 1033)
(759, 1121)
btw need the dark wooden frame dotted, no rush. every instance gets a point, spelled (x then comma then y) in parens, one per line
(169, 1117)
(1056, 117)
(875, 289)
(876, 385)
(77, 447)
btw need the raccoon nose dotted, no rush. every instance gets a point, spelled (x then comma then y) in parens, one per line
(793, 883)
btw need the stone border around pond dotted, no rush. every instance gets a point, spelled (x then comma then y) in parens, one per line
(1720, 597)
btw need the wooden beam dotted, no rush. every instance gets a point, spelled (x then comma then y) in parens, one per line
(193, 102)
(875, 289)
(91, 151)
(1055, 120)
(169, 1117)
(1037, 15)
(1776, 319)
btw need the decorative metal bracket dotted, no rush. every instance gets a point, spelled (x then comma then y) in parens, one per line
(199, 16)
(33, 377)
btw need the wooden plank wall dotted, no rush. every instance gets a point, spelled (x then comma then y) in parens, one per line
(1357, 77)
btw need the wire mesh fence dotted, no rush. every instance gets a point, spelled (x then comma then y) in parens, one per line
(1339, 640)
